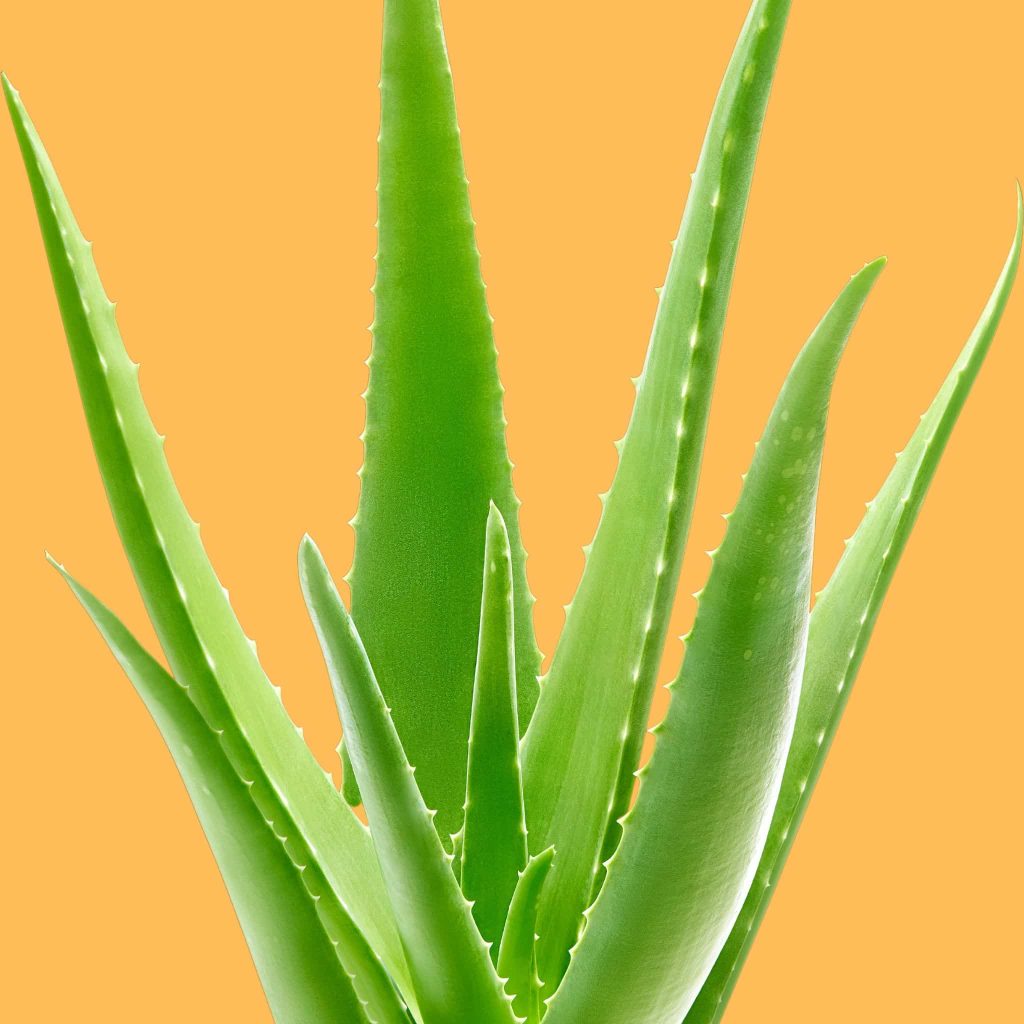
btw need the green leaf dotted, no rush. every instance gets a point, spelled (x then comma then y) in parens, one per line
(435, 450)
(841, 624)
(204, 643)
(314, 963)
(453, 976)
(517, 960)
(493, 843)
(692, 840)
(596, 700)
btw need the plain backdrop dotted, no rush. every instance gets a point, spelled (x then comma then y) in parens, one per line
(222, 157)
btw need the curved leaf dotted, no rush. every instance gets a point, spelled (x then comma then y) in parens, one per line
(452, 973)
(692, 840)
(189, 608)
(517, 958)
(312, 960)
(586, 733)
(841, 625)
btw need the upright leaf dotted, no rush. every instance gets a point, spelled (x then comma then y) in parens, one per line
(493, 843)
(596, 700)
(692, 840)
(435, 449)
(517, 958)
(841, 625)
(204, 643)
(314, 964)
(452, 973)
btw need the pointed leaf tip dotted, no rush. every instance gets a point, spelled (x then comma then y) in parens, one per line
(844, 615)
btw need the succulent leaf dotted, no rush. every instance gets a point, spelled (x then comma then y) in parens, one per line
(452, 972)
(493, 841)
(203, 641)
(312, 960)
(692, 841)
(586, 734)
(435, 450)
(841, 624)
(517, 958)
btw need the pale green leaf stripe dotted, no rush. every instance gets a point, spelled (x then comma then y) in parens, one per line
(493, 843)
(596, 699)
(312, 961)
(841, 625)
(517, 960)
(692, 840)
(203, 641)
(452, 972)
(435, 451)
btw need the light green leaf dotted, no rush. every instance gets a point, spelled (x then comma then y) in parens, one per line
(841, 625)
(517, 959)
(435, 450)
(314, 963)
(596, 700)
(692, 840)
(493, 842)
(204, 643)
(452, 973)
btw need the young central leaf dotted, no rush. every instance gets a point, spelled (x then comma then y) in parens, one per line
(435, 451)
(493, 846)
(517, 958)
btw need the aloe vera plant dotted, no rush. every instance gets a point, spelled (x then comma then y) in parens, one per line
(508, 872)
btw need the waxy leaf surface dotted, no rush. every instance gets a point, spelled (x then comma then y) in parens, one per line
(692, 841)
(203, 641)
(842, 621)
(585, 737)
(435, 451)
(452, 972)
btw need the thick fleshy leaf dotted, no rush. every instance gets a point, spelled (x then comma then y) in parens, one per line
(588, 727)
(204, 643)
(312, 960)
(841, 625)
(435, 450)
(517, 957)
(493, 841)
(452, 972)
(692, 840)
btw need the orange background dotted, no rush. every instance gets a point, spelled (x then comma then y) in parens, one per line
(222, 156)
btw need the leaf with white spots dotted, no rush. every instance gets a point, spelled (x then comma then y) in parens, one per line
(691, 842)
(584, 740)
(492, 846)
(452, 972)
(313, 962)
(204, 643)
(841, 626)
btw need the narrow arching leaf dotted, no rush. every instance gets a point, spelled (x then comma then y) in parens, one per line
(493, 843)
(435, 449)
(841, 625)
(204, 643)
(311, 958)
(692, 840)
(517, 957)
(452, 973)
(595, 702)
